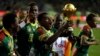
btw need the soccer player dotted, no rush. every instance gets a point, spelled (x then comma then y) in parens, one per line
(86, 37)
(26, 34)
(22, 15)
(66, 38)
(6, 34)
(44, 37)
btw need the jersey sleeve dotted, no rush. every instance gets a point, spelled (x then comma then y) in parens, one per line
(2, 35)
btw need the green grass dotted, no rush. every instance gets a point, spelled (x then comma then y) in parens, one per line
(94, 50)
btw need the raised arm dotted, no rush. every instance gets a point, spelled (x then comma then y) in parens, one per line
(51, 39)
(84, 41)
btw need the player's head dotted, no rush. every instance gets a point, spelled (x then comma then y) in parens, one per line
(45, 20)
(33, 9)
(58, 22)
(21, 14)
(90, 19)
(10, 21)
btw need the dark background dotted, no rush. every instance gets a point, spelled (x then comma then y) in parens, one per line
(57, 5)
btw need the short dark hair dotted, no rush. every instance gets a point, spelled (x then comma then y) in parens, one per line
(8, 8)
(41, 16)
(32, 4)
(8, 19)
(90, 17)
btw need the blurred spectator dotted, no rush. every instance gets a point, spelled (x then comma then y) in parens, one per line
(77, 22)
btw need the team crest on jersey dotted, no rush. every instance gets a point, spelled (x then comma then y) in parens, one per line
(29, 29)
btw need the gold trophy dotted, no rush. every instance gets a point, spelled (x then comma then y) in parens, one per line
(69, 9)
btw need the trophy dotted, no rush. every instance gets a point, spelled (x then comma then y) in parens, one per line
(69, 9)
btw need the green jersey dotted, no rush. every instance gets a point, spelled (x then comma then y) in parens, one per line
(82, 50)
(40, 47)
(25, 38)
(7, 43)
